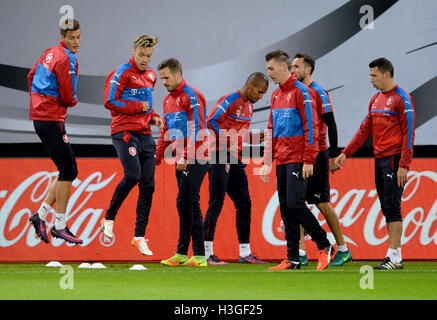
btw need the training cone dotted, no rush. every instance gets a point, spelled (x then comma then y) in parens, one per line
(138, 267)
(54, 264)
(84, 265)
(97, 265)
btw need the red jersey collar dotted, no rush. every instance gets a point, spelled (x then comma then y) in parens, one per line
(62, 44)
(180, 86)
(391, 90)
(289, 83)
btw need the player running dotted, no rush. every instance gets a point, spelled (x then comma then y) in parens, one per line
(129, 97)
(52, 87)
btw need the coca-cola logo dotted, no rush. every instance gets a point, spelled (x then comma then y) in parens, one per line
(79, 215)
(417, 222)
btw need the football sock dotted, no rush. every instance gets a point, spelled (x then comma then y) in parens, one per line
(244, 249)
(342, 248)
(44, 211)
(60, 221)
(302, 252)
(208, 249)
(395, 255)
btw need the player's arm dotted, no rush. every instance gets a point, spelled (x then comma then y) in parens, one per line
(308, 113)
(268, 151)
(407, 118)
(66, 73)
(162, 144)
(30, 77)
(329, 119)
(357, 141)
(114, 87)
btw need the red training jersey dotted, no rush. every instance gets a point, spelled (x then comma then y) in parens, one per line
(292, 134)
(52, 84)
(391, 121)
(126, 87)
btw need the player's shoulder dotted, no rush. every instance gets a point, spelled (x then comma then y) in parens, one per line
(403, 97)
(318, 89)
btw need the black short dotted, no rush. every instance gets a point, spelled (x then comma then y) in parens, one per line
(389, 193)
(57, 145)
(318, 189)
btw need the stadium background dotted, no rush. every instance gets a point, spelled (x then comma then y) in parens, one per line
(219, 45)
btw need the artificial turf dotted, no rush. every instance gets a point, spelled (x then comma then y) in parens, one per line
(417, 281)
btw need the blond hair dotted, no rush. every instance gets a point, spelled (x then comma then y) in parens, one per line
(145, 41)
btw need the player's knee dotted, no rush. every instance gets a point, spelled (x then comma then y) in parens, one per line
(392, 216)
(132, 177)
(68, 173)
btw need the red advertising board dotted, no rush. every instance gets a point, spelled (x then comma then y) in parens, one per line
(24, 183)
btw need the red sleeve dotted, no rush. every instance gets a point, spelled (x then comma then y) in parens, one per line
(308, 112)
(407, 119)
(67, 79)
(162, 143)
(268, 145)
(362, 134)
(30, 77)
(114, 87)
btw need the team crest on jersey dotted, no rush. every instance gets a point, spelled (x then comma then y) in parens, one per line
(151, 76)
(132, 151)
(49, 57)
(390, 101)
(65, 138)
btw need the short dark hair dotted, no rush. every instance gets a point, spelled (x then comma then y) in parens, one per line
(279, 56)
(69, 25)
(172, 63)
(258, 78)
(309, 61)
(383, 65)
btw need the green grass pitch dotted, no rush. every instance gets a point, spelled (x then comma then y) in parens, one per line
(417, 281)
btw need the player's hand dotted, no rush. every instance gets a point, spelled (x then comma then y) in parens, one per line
(339, 161)
(182, 164)
(146, 106)
(264, 172)
(261, 137)
(157, 121)
(307, 171)
(332, 166)
(402, 177)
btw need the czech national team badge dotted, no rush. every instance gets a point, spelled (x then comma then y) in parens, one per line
(390, 101)
(65, 138)
(132, 151)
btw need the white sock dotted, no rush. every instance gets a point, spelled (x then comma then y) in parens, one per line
(395, 255)
(44, 211)
(244, 249)
(342, 248)
(138, 238)
(208, 249)
(60, 221)
(302, 252)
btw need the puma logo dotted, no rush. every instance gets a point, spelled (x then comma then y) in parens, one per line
(390, 176)
(185, 173)
(317, 195)
(296, 174)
